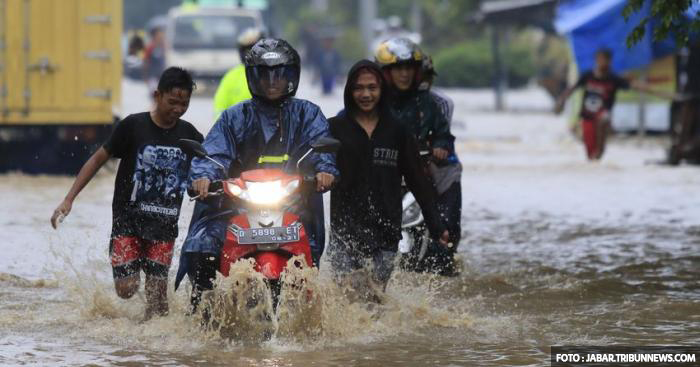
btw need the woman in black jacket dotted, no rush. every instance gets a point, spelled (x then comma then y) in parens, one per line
(376, 153)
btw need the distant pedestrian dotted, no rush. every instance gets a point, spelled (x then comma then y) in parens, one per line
(328, 62)
(600, 88)
(133, 62)
(154, 59)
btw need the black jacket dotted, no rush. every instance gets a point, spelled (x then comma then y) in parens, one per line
(366, 205)
(418, 111)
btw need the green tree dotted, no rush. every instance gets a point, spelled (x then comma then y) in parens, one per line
(445, 22)
(672, 20)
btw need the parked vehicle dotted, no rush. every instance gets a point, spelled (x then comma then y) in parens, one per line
(60, 81)
(203, 40)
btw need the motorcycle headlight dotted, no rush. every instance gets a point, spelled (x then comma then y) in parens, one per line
(268, 193)
(411, 214)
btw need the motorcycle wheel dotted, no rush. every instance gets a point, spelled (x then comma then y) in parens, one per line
(275, 287)
(413, 260)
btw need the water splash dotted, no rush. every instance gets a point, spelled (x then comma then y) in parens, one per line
(241, 306)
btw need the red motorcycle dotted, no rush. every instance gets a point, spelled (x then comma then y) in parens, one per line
(267, 230)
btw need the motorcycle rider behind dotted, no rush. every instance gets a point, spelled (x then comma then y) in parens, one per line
(443, 101)
(402, 64)
(375, 154)
(271, 130)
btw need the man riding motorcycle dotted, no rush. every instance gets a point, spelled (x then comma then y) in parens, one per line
(271, 130)
(402, 63)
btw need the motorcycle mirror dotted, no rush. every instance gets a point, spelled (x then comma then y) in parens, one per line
(326, 145)
(192, 147)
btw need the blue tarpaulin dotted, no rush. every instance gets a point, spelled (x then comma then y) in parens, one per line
(594, 24)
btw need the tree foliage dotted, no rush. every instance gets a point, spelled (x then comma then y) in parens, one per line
(671, 15)
(445, 22)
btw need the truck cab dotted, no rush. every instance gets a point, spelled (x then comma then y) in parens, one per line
(203, 40)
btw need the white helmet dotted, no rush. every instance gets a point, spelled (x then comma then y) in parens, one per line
(248, 37)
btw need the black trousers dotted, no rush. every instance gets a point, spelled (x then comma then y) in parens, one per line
(449, 206)
(438, 259)
(203, 274)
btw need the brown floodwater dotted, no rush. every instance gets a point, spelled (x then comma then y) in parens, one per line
(527, 284)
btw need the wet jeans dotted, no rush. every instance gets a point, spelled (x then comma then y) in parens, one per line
(344, 260)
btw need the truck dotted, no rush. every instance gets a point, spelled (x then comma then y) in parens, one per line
(60, 81)
(204, 39)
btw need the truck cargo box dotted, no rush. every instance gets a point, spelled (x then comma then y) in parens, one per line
(60, 78)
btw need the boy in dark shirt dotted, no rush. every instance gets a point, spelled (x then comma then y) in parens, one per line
(144, 215)
(600, 87)
(376, 153)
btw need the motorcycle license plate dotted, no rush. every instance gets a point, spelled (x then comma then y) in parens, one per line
(268, 235)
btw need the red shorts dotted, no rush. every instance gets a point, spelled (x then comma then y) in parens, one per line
(591, 127)
(590, 136)
(131, 254)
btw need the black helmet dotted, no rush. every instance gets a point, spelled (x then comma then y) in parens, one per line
(272, 68)
(427, 65)
(428, 73)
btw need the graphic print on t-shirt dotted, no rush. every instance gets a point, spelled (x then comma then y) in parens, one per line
(160, 177)
(599, 93)
(596, 93)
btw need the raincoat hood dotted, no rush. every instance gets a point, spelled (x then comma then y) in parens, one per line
(350, 105)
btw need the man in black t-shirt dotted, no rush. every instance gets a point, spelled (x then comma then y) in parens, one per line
(147, 191)
(600, 87)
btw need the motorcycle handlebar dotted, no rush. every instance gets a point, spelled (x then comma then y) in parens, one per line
(427, 157)
(215, 188)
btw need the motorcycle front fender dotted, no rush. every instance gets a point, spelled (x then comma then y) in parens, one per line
(406, 243)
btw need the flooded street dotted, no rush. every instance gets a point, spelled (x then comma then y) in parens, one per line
(555, 251)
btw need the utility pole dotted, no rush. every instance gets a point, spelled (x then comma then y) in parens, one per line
(416, 19)
(499, 80)
(368, 12)
(642, 100)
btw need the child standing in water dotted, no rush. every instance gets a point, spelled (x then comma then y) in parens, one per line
(600, 87)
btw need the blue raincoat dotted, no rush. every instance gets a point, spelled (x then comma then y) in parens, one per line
(253, 135)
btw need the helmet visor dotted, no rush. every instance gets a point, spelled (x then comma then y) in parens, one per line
(273, 83)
